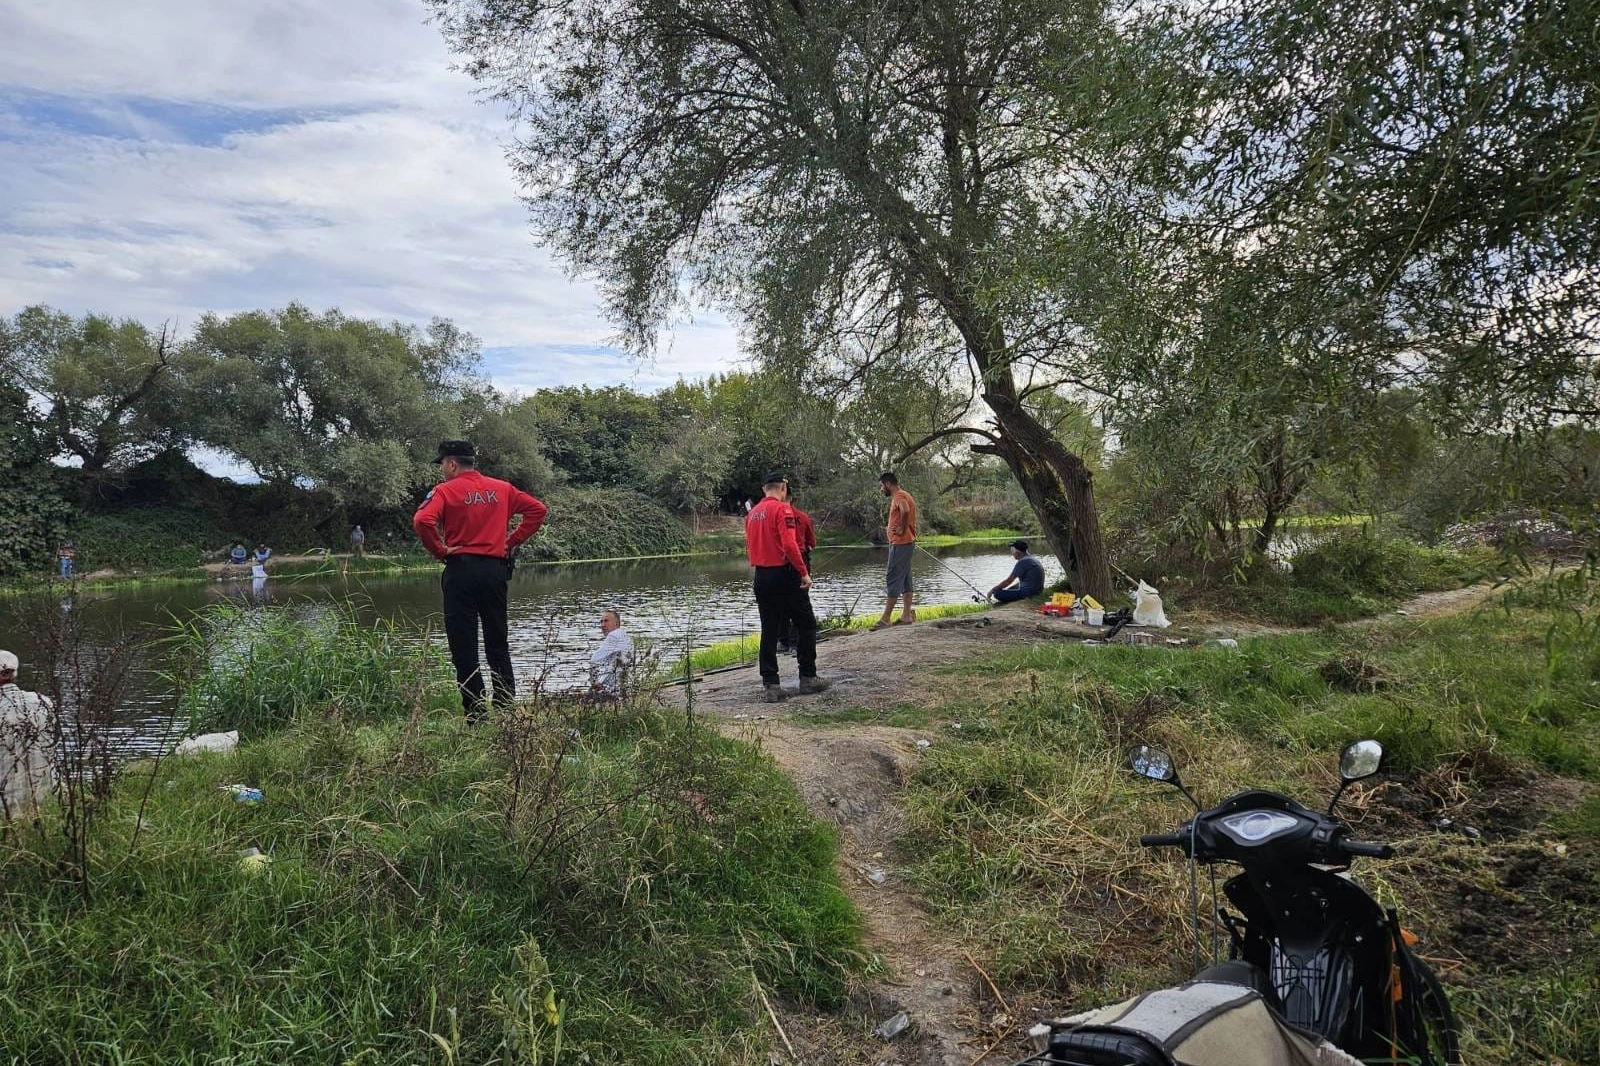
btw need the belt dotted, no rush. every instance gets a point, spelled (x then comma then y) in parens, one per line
(453, 556)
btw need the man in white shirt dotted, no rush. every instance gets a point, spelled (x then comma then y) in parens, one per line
(611, 665)
(24, 744)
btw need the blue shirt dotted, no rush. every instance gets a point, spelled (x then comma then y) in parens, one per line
(1029, 573)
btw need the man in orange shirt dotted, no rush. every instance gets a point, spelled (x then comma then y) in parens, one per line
(902, 530)
(464, 524)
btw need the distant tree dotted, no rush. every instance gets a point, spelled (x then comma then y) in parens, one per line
(691, 467)
(592, 436)
(33, 513)
(509, 440)
(348, 404)
(852, 179)
(103, 387)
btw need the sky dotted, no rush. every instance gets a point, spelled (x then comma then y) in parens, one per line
(162, 158)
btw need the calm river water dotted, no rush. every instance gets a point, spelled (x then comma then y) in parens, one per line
(555, 610)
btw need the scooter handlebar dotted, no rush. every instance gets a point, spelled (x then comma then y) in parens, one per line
(1363, 849)
(1162, 840)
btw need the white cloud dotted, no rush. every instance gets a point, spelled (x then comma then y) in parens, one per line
(166, 157)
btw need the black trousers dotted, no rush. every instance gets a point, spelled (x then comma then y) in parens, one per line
(475, 591)
(781, 600)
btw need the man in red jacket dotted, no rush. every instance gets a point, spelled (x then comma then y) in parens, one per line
(782, 584)
(463, 522)
(805, 534)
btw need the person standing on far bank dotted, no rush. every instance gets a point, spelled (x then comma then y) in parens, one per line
(782, 585)
(902, 530)
(464, 523)
(358, 542)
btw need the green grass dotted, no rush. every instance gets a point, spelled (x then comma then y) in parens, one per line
(1021, 825)
(412, 912)
(1349, 575)
(260, 670)
(744, 649)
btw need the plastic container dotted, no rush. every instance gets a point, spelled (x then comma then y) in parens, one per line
(1097, 616)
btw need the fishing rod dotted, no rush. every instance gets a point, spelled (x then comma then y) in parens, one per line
(978, 594)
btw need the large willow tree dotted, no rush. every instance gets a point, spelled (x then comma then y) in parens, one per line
(857, 180)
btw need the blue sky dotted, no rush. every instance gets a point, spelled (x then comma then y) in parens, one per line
(161, 158)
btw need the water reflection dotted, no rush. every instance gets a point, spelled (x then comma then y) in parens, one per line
(669, 604)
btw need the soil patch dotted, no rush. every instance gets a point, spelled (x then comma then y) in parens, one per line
(851, 778)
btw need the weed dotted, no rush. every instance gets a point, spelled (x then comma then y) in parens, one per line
(259, 669)
(1022, 835)
(399, 921)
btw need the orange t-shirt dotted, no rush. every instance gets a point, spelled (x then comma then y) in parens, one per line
(902, 518)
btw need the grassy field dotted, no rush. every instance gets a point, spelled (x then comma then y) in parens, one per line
(432, 892)
(1021, 826)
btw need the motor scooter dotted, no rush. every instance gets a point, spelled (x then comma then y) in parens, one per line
(1312, 955)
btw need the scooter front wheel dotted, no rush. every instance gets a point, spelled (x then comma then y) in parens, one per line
(1436, 1039)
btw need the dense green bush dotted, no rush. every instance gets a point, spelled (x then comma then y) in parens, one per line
(606, 524)
(1360, 563)
(147, 538)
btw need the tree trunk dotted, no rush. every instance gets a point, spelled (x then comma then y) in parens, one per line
(1280, 487)
(1060, 490)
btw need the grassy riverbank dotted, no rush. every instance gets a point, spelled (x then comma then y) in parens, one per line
(744, 649)
(1022, 820)
(433, 893)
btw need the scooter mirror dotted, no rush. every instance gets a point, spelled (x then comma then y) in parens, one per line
(1360, 759)
(1152, 763)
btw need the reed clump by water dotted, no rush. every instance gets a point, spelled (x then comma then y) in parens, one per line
(259, 669)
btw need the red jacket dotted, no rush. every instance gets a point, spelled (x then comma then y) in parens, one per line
(473, 512)
(769, 536)
(804, 532)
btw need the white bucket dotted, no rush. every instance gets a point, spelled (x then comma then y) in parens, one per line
(1097, 616)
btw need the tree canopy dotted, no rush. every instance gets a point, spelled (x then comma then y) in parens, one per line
(852, 180)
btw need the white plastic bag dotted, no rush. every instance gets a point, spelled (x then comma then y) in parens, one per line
(1147, 607)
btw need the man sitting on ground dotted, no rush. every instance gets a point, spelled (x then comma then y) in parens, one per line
(24, 745)
(1026, 577)
(611, 665)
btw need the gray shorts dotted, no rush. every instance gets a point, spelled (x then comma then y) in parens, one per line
(900, 569)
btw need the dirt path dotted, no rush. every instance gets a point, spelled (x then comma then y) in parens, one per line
(851, 774)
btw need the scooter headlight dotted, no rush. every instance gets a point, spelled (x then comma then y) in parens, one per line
(1259, 825)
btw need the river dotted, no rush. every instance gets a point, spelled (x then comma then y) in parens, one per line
(554, 610)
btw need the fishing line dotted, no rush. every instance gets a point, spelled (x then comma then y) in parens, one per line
(979, 596)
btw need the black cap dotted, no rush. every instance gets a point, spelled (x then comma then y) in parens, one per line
(774, 478)
(1021, 546)
(454, 449)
